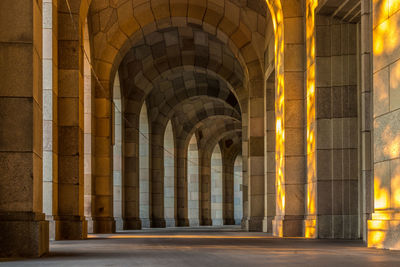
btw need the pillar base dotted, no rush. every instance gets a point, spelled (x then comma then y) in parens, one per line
(23, 234)
(70, 227)
(244, 223)
(384, 230)
(146, 223)
(119, 224)
(170, 223)
(52, 227)
(206, 222)
(132, 224)
(267, 224)
(183, 222)
(158, 223)
(194, 222)
(288, 226)
(310, 227)
(255, 224)
(101, 225)
(229, 221)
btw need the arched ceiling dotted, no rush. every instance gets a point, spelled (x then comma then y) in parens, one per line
(118, 25)
(175, 51)
(190, 60)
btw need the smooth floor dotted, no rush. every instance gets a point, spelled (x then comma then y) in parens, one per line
(207, 246)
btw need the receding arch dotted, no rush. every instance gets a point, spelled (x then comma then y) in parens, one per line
(169, 176)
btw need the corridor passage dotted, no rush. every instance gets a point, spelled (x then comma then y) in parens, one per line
(207, 246)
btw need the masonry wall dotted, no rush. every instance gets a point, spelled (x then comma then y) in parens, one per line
(384, 228)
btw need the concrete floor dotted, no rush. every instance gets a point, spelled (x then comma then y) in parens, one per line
(207, 247)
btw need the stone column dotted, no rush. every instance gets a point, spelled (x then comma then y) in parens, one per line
(384, 226)
(238, 190)
(256, 154)
(169, 177)
(181, 187)
(332, 196)
(228, 193)
(117, 157)
(130, 165)
(50, 95)
(365, 118)
(205, 188)
(103, 217)
(145, 154)
(193, 182)
(269, 167)
(217, 185)
(25, 233)
(289, 112)
(88, 135)
(157, 177)
(70, 222)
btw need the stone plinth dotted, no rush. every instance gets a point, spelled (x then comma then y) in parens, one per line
(287, 226)
(70, 227)
(157, 223)
(102, 225)
(132, 224)
(23, 234)
(384, 230)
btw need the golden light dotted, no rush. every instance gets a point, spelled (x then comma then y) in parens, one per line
(277, 19)
(310, 222)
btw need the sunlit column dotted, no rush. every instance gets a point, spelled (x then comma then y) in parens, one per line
(310, 222)
(289, 116)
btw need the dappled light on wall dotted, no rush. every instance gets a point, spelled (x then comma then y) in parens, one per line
(310, 223)
(384, 226)
(277, 19)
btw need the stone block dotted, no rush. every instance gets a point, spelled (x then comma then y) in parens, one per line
(381, 92)
(17, 124)
(25, 234)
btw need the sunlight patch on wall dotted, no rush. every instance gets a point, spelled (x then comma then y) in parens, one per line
(277, 19)
(310, 223)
